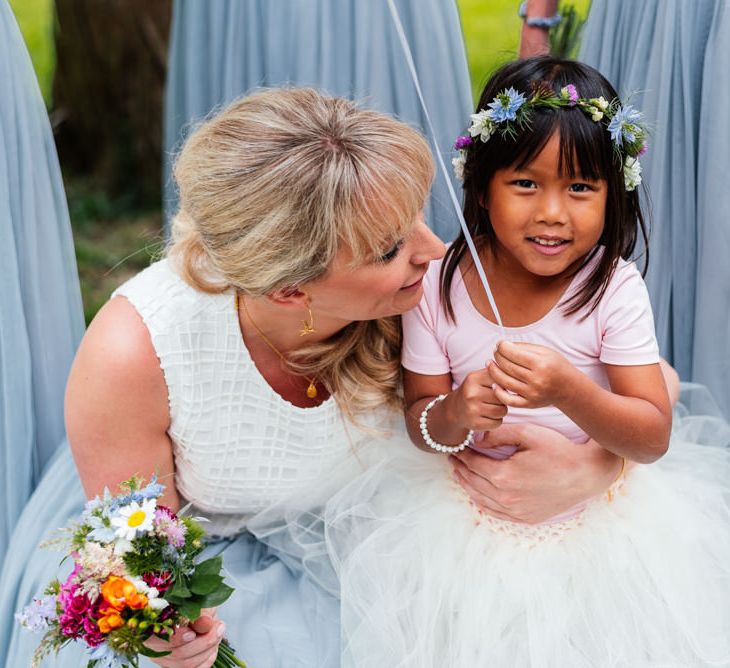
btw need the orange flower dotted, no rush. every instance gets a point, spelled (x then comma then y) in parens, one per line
(119, 593)
(110, 621)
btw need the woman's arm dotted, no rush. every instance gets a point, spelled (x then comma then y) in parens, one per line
(117, 416)
(535, 41)
(117, 412)
(632, 420)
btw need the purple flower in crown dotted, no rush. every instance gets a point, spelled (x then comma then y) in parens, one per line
(570, 94)
(624, 126)
(504, 107)
(462, 142)
(644, 148)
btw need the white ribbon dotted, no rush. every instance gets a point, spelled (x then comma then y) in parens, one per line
(440, 160)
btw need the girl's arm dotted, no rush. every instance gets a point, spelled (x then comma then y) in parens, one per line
(473, 405)
(632, 420)
(116, 410)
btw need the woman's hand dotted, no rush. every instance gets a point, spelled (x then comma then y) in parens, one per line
(194, 646)
(547, 475)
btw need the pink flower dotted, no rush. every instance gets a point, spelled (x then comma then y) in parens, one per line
(570, 93)
(463, 142)
(160, 581)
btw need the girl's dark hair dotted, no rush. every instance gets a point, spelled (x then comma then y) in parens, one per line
(586, 149)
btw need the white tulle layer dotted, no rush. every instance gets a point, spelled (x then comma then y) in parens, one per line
(427, 581)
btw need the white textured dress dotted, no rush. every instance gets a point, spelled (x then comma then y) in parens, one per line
(239, 447)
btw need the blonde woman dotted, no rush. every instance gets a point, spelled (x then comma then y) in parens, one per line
(264, 349)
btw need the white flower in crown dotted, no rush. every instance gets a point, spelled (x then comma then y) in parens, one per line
(482, 125)
(134, 519)
(632, 173)
(458, 164)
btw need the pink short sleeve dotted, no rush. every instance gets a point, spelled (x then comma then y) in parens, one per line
(423, 352)
(627, 323)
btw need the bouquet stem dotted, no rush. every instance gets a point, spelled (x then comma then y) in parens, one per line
(227, 657)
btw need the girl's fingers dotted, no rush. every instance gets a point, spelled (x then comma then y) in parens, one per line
(510, 399)
(506, 381)
(509, 367)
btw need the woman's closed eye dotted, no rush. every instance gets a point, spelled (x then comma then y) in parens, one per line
(390, 255)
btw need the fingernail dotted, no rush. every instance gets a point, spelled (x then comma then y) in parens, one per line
(221, 630)
(188, 636)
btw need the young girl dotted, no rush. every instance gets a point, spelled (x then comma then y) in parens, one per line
(638, 577)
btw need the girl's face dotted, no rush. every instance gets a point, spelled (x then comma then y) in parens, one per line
(389, 286)
(545, 222)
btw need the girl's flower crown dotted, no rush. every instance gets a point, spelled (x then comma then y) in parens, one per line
(510, 111)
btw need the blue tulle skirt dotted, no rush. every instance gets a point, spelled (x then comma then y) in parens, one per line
(276, 617)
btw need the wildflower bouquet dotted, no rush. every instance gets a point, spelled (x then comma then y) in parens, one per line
(135, 576)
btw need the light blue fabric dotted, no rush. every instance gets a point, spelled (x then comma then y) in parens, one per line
(673, 56)
(40, 302)
(276, 618)
(220, 49)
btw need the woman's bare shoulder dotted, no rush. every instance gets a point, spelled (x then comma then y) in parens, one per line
(117, 368)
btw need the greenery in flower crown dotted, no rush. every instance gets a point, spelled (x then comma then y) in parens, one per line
(510, 112)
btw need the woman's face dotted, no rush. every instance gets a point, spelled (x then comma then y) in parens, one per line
(386, 287)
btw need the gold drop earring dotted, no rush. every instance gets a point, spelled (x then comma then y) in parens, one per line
(307, 326)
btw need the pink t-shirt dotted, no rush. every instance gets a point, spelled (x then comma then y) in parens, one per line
(620, 331)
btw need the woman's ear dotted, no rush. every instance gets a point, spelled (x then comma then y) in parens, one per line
(289, 295)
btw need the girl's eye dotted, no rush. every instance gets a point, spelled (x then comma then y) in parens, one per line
(580, 187)
(525, 183)
(387, 257)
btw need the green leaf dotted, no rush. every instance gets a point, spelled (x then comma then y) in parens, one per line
(179, 589)
(205, 584)
(190, 609)
(216, 597)
(209, 567)
(152, 654)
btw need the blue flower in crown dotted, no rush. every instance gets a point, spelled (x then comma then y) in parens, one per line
(624, 126)
(504, 107)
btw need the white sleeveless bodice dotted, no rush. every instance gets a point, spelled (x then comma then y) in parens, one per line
(239, 447)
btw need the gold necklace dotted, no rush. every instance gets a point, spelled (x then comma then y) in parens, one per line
(312, 388)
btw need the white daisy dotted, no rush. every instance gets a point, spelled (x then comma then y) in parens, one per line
(134, 519)
(632, 173)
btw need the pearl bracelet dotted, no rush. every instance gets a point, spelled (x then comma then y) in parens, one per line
(450, 449)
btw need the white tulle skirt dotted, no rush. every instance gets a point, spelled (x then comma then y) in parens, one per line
(642, 580)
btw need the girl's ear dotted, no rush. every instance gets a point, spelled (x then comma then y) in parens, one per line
(483, 201)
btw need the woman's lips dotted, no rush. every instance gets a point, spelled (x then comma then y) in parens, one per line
(415, 284)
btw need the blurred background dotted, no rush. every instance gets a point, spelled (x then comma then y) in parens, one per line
(101, 66)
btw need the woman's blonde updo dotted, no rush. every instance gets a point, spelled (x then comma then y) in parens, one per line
(273, 185)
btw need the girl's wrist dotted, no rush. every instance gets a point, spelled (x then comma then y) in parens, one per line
(443, 423)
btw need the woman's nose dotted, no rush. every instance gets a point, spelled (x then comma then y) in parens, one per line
(427, 245)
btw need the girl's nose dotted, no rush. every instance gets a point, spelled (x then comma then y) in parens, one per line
(551, 209)
(427, 245)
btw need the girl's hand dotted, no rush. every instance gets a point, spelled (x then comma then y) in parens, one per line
(548, 475)
(530, 376)
(194, 646)
(474, 404)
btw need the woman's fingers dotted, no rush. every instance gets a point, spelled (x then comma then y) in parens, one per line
(187, 648)
(509, 367)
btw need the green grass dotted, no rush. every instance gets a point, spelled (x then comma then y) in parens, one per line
(35, 18)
